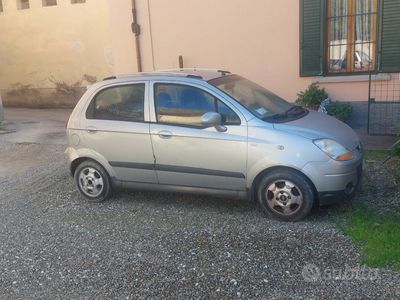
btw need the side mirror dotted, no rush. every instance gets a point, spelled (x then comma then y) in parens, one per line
(213, 119)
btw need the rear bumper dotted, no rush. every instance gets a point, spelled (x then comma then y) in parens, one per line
(71, 155)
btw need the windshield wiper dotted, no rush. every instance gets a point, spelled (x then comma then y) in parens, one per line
(295, 109)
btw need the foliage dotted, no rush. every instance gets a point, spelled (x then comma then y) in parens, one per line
(397, 173)
(396, 148)
(340, 110)
(312, 96)
(378, 236)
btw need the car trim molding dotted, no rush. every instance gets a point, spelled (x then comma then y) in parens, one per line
(176, 169)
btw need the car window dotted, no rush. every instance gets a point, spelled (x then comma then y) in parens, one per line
(258, 100)
(229, 117)
(185, 105)
(120, 103)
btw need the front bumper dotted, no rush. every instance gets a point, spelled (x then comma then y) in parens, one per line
(335, 182)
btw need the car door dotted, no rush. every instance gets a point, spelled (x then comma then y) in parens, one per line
(189, 154)
(117, 128)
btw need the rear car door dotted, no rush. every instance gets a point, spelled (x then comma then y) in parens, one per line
(116, 126)
(186, 152)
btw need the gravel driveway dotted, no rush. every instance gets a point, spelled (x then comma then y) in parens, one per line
(156, 245)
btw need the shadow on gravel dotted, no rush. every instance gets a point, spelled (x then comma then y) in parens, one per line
(218, 205)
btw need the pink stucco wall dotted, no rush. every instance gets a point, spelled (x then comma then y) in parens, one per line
(258, 39)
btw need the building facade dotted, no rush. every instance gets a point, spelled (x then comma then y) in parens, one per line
(284, 45)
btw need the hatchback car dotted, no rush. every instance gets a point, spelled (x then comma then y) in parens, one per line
(209, 132)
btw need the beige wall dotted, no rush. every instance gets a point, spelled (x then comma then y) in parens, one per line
(121, 36)
(60, 43)
(258, 39)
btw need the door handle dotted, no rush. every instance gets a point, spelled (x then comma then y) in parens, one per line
(91, 129)
(165, 134)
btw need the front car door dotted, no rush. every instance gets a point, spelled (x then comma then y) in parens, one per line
(189, 154)
(117, 128)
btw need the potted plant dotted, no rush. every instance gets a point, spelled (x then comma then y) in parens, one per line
(312, 96)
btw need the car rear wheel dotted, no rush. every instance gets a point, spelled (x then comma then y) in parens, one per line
(285, 194)
(93, 181)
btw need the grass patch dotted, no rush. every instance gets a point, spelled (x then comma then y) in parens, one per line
(374, 154)
(378, 236)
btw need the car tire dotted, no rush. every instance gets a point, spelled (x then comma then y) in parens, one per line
(285, 194)
(92, 181)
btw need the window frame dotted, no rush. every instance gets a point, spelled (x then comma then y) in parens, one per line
(351, 15)
(92, 98)
(216, 97)
(20, 5)
(313, 36)
(46, 4)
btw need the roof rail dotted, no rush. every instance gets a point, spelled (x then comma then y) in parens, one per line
(194, 76)
(110, 78)
(223, 72)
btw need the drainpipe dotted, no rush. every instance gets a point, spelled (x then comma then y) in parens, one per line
(136, 30)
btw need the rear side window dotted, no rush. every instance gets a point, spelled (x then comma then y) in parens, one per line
(119, 103)
(185, 105)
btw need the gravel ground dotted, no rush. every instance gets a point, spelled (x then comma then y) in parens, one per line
(153, 245)
(54, 245)
(380, 190)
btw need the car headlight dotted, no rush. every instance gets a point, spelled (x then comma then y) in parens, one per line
(333, 149)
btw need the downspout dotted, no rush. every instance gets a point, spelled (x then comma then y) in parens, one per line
(136, 30)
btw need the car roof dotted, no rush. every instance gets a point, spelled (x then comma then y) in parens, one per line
(202, 74)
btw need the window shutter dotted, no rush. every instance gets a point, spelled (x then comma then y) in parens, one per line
(390, 36)
(311, 37)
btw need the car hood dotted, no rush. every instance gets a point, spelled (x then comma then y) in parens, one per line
(317, 125)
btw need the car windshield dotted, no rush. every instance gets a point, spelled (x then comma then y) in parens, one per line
(259, 101)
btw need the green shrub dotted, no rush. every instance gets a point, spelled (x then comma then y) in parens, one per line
(340, 110)
(312, 96)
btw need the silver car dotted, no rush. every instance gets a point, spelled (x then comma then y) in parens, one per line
(209, 132)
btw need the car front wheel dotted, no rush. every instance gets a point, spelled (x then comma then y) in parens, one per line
(285, 194)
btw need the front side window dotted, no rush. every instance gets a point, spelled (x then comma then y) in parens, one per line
(185, 105)
(351, 40)
(120, 103)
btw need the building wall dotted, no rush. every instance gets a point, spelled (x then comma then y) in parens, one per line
(258, 39)
(48, 53)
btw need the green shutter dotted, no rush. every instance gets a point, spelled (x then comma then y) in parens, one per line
(311, 37)
(389, 52)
